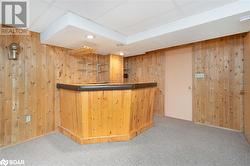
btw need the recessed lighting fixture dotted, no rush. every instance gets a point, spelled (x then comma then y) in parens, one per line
(245, 18)
(86, 47)
(121, 53)
(90, 37)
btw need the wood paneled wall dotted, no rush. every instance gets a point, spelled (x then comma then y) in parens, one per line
(28, 86)
(116, 69)
(217, 98)
(106, 116)
(247, 87)
(147, 68)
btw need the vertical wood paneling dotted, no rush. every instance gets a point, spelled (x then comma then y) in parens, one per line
(106, 116)
(107, 112)
(103, 75)
(68, 114)
(217, 98)
(147, 68)
(116, 68)
(141, 108)
(2, 70)
(247, 86)
(28, 86)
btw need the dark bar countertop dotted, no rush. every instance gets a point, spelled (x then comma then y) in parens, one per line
(105, 86)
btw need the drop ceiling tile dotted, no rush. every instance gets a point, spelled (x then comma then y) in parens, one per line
(51, 14)
(37, 8)
(48, 1)
(139, 15)
(89, 9)
(185, 2)
(214, 2)
(133, 12)
(153, 22)
(198, 6)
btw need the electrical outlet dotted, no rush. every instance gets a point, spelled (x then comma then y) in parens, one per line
(27, 118)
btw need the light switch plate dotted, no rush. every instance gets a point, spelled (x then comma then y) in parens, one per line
(199, 75)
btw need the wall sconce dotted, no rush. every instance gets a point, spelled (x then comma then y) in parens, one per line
(13, 51)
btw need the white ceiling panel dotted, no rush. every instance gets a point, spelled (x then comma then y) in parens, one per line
(209, 2)
(72, 37)
(140, 25)
(153, 22)
(37, 9)
(184, 8)
(52, 14)
(201, 32)
(90, 9)
(48, 1)
(139, 15)
(134, 12)
(197, 6)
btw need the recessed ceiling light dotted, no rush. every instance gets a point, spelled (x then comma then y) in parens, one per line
(90, 36)
(121, 53)
(245, 18)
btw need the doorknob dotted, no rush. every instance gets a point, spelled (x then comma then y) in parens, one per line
(189, 87)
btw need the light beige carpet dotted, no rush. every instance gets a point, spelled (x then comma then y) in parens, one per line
(170, 142)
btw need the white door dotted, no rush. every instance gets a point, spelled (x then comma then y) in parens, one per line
(178, 84)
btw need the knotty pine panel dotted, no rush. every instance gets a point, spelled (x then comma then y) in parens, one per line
(116, 69)
(147, 68)
(247, 86)
(28, 86)
(217, 98)
(106, 116)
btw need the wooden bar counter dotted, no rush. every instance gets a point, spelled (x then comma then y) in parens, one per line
(92, 113)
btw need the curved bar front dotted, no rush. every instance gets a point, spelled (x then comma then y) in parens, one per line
(93, 113)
